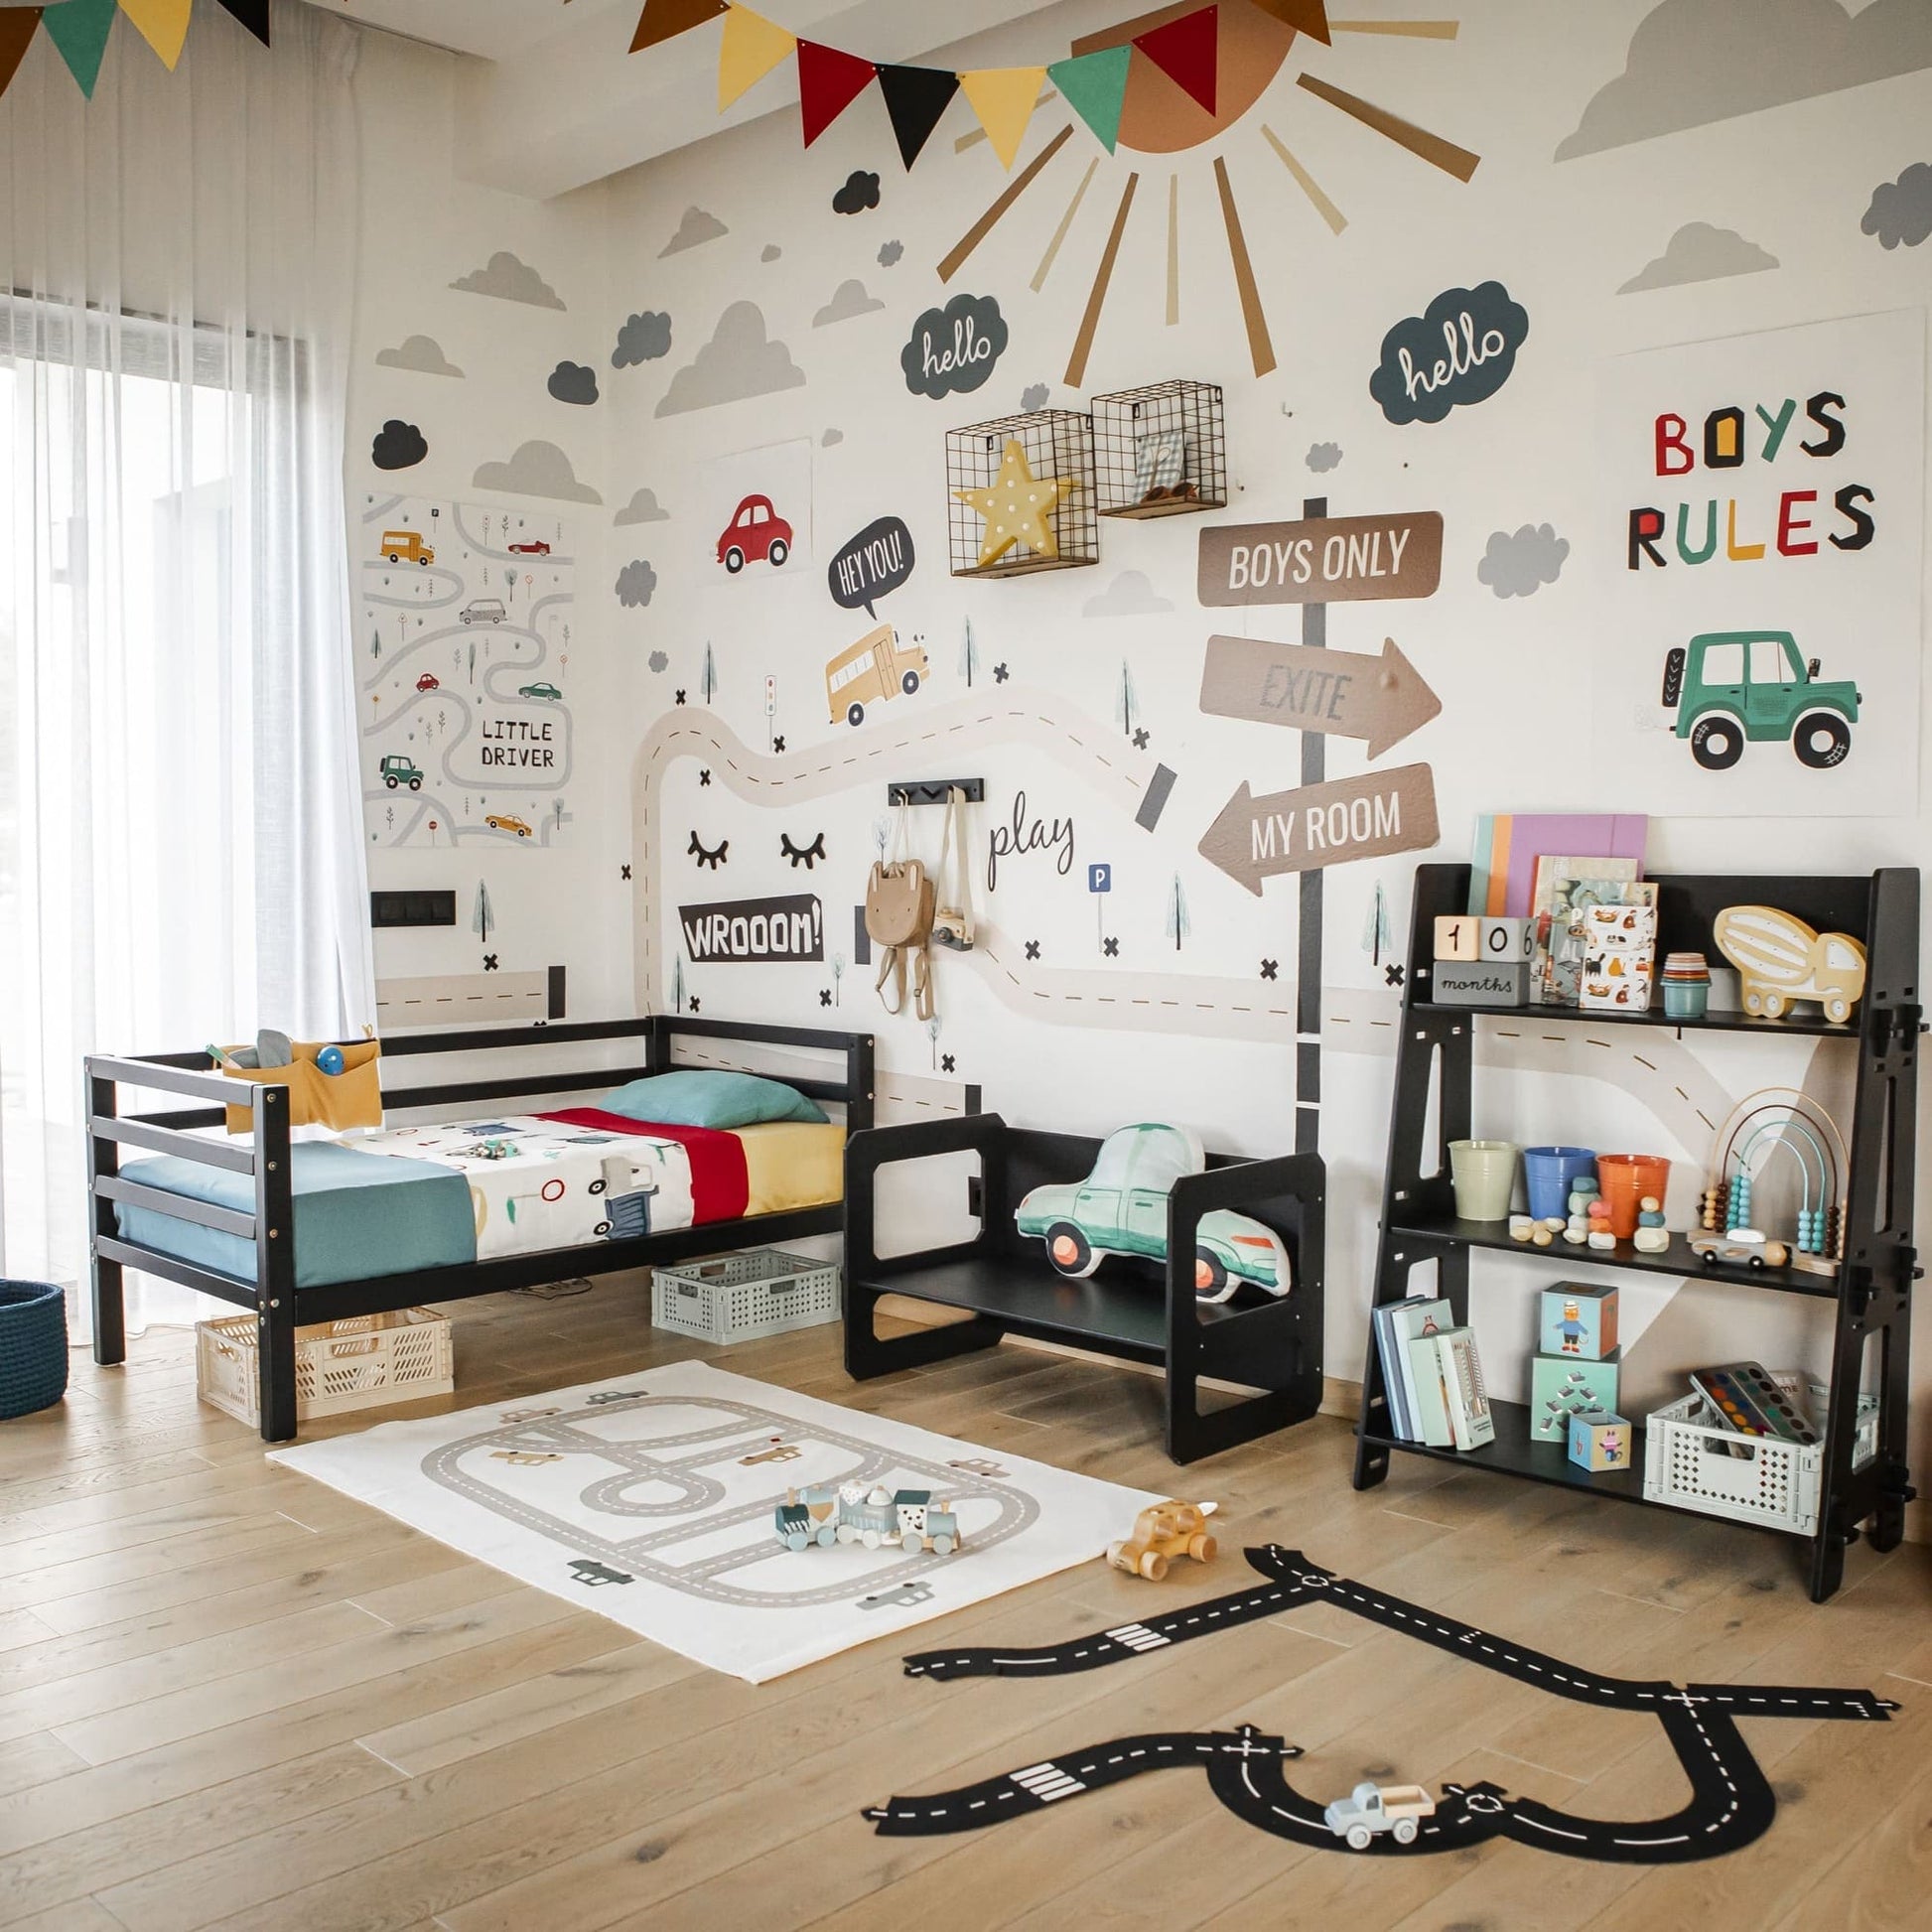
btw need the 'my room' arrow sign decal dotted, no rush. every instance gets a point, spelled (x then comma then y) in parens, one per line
(1314, 689)
(1321, 825)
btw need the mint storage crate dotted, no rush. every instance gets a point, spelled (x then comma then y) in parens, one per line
(1690, 1461)
(732, 1297)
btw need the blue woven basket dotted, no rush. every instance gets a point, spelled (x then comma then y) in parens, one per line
(33, 1346)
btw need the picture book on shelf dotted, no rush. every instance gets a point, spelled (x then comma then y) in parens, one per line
(1452, 1404)
(1502, 862)
(1566, 889)
(1396, 1325)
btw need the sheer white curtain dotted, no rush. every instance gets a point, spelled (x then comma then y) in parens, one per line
(181, 847)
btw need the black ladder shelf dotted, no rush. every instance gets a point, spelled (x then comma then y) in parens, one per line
(1871, 1290)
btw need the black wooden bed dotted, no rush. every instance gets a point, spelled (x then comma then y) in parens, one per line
(279, 1307)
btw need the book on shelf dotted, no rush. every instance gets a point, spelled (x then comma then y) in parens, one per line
(1502, 860)
(1453, 1405)
(1396, 1325)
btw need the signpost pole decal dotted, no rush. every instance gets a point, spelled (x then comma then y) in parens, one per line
(1309, 922)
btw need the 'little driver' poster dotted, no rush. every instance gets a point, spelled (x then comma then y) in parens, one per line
(1762, 530)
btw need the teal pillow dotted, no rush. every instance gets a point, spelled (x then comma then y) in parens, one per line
(700, 1096)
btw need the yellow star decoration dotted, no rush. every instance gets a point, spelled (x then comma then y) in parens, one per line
(1016, 505)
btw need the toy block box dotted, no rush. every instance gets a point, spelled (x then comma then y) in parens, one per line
(1600, 1440)
(1577, 1319)
(1560, 1385)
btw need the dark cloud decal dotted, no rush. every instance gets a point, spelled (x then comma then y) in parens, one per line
(1459, 350)
(573, 382)
(399, 446)
(861, 191)
(642, 338)
(636, 583)
(1902, 210)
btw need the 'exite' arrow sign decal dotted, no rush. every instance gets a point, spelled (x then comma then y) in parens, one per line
(1321, 559)
(1314, 689)
(1323, 825)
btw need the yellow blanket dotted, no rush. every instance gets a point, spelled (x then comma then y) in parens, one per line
(792, 1163)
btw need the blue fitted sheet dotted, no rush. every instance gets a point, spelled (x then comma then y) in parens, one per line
(356, 1216)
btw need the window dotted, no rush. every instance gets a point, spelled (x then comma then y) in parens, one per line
(127, 691)
(1770, 665)
(1724, 664)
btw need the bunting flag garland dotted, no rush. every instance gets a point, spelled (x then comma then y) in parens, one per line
(1004, 99)
(17, 25)
(1185, 49)
(252, 14)
(829, 82)
(664, 19)
(1309, 17)
(1094, 85)
(163, 24)
(916, 97)
(79, 30)
(752, 47)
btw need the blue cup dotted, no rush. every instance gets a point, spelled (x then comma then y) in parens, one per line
(1548, 1173)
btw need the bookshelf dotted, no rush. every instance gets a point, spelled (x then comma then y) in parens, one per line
(1869, 1294)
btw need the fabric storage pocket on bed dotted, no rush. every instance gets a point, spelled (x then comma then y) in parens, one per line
(357, 1215)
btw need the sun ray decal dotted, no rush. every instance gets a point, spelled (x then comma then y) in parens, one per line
(1067, 221)
(1306, 182)
(1260, 349)
(1436, 149)
(1076, 368)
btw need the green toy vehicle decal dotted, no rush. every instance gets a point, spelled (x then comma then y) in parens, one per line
(396, 770)
(1732, 687)
(538, 691)
(1121, 1208)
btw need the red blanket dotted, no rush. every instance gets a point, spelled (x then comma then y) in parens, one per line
(720, 1186)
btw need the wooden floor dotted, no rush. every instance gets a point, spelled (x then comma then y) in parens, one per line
(230, 1696)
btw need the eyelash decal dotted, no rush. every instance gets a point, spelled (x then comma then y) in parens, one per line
(712, 859)
(805, 855)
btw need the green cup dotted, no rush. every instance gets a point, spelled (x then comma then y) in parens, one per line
(1484, 1177)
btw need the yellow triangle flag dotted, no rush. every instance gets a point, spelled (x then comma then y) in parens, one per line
(1003, 98)
(163, 24)
(752, 45)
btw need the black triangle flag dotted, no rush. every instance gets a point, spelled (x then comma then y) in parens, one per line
(253, 15)
(916, 97)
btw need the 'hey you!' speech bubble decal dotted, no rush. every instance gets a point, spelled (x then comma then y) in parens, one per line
(879, 559)
(1460, 350)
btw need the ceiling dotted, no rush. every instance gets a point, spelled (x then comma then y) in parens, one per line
(553, 99)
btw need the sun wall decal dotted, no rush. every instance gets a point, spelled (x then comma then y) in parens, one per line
(1253, 45)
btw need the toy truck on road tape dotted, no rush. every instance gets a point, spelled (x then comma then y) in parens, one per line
(858, 1512)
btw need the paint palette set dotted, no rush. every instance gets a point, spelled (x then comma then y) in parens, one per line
(1746, 1401)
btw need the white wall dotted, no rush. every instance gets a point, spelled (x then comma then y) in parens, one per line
(1513, 674)
(423, 230)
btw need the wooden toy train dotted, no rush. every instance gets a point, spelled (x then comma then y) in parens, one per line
(858, 1512)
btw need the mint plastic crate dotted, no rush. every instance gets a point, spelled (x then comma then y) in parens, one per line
(734, 1297)
(1690, 1461)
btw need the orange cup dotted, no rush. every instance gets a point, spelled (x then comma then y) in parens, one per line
(1625, 1180)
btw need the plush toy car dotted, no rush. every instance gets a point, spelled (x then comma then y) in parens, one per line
(1163, 1532)
(1121, 1208)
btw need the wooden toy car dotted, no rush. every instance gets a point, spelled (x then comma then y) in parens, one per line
(1372, 1808)
(1161, 1532)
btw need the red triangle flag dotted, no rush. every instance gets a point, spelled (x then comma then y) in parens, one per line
(1185, 51)
(829, 82)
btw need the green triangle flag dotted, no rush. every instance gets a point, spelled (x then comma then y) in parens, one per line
(78, 29)
(1095, 86)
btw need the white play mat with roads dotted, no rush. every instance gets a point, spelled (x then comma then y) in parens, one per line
(649, 1499)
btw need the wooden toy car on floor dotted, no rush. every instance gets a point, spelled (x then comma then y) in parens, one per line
(1373, 1808)
(857, 1512)
(1163, 1532)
